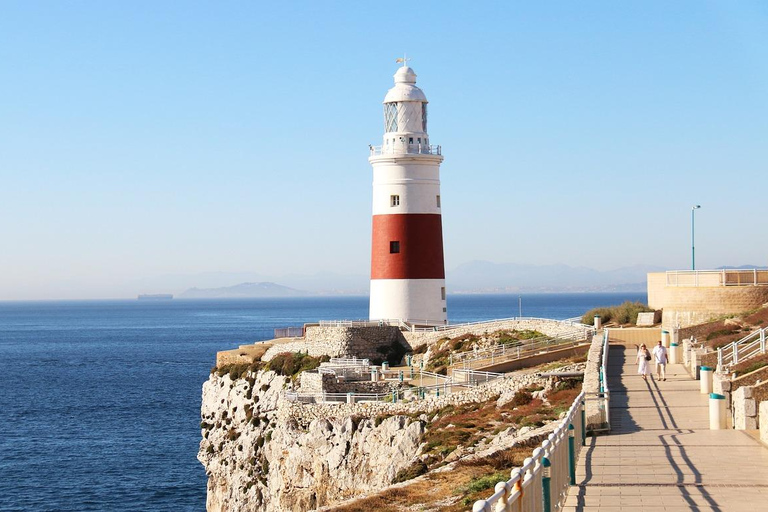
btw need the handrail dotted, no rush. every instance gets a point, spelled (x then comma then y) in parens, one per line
(545, 476)
(749, 346)
(606, 392)
(503, 354)
(407, 149)
(722, 277)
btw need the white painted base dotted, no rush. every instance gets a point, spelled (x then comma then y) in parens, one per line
(412, 300)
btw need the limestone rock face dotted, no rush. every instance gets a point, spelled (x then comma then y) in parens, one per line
(258, 458)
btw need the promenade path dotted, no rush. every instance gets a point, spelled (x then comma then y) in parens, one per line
(661, 455)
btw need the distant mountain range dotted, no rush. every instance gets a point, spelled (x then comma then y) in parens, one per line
(471, 277)
(243, 291)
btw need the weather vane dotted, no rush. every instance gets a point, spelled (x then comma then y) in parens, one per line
(403, 59)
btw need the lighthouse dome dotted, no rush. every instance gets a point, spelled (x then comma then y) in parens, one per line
(405, 88)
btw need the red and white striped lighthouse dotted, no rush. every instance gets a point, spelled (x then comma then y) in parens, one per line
(407, 269)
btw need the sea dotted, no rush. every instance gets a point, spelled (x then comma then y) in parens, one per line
(100, 400)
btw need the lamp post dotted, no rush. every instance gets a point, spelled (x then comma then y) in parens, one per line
(693, 246)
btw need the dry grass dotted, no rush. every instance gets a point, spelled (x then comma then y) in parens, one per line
(450, 491)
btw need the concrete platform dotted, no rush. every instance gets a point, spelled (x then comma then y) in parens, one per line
(661, 455)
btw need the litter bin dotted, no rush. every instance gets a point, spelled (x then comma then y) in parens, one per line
(716, 411)
(673, 353)
(707, 374)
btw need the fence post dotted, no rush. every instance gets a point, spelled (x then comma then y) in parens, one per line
(545, 486)
(583, 422)
(571, 454)
(762, 341)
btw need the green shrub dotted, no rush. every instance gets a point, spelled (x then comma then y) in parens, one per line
(625, 313)
(522, 397)
(291, 364)
(416, 469)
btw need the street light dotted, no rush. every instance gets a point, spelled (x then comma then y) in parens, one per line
(693, 249)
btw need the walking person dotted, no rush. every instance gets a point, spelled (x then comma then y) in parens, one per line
(660, 355)
(643, 356)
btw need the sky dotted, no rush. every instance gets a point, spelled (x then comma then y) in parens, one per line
(142, 139)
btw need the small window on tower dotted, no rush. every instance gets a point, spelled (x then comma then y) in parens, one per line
(442, 292)
(438, 201)
(410, 140)
(394, 247)
(394, 200)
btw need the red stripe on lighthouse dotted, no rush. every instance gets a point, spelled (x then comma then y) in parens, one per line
(421, 247)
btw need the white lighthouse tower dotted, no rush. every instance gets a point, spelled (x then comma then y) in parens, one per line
(407, 269)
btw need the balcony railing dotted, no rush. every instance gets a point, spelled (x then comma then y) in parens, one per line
(725, 277)
(406, 149)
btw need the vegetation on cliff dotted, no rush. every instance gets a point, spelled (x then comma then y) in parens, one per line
(440, 357)
(622, 314)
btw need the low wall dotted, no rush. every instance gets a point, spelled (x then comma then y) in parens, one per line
(593, 416)
(304, 414)
(763, 415)
(691, 305)
(635, 335)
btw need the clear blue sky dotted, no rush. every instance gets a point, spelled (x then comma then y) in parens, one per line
(146, 138)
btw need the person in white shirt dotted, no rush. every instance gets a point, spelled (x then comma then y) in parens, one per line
(660, 356)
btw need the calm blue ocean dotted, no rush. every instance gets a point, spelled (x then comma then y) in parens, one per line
(100, 400)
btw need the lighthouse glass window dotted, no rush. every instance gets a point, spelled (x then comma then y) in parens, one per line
(390, 117)
(424, 117)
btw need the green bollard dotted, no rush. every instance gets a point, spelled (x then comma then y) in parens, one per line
(401, 375)
(394, 396)
(438, 391)
(571, 454)
(546, 493)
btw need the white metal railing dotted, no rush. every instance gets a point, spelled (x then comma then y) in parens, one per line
(474, 377)
(396, 395)
(542, 482)
(504, 353)
(576, 325)
(749, 346)
(348, 361)
(605, 392)
(724, 277)
(403, 148)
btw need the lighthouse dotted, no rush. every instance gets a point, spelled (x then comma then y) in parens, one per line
(407, 269)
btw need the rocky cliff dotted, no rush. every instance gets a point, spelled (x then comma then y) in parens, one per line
(258, 456)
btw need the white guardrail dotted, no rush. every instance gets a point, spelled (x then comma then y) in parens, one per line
(724, 277)
(541, 484)
(751, 345)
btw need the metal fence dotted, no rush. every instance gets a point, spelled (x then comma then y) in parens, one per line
(541, 484)
(289, 332)
(724, 277)
(504, 353)
(751, 345)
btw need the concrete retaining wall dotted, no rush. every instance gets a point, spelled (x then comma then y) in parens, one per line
(691, 305)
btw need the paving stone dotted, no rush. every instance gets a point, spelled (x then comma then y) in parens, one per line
(661, 455)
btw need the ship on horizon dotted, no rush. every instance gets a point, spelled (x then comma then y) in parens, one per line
(155, 296)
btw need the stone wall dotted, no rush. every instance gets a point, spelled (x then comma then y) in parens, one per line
(594, 417)
(303, 414)
(763, 415)
(744, 409)
(692, 305)
(363, 342)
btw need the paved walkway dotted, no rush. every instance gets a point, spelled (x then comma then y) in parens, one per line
(661, 455)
